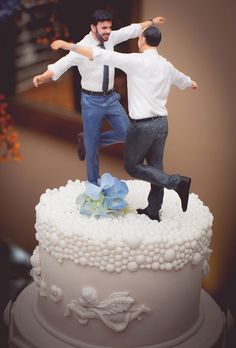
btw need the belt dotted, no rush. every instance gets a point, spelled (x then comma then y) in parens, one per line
(152, 118)
(97, 93)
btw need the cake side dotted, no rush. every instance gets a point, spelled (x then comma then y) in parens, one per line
(162, 305)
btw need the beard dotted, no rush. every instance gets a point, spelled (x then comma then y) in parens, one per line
(102, 38)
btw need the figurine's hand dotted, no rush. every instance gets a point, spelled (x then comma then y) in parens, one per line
(37, 80)
(158, 20)
(40, 79)
(194, 85)
(55, 45)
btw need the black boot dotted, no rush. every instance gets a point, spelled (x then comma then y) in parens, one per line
(183, 191)
(80, 146)
(151, 216)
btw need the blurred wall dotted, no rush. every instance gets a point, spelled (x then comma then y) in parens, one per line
(199, 39)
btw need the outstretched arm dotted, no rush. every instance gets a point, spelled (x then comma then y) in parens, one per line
(133, 31)
(122, 61)
(154, 21)
(84, 51)
(40, 79)
(181, 80)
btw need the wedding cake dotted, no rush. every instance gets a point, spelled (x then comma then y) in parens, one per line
(117, 280)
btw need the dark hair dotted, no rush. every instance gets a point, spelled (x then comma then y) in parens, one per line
(152, 35)
(101, 16)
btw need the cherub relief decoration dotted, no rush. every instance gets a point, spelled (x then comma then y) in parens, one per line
(115, 312)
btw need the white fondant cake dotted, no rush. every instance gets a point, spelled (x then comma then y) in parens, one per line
(124, 281)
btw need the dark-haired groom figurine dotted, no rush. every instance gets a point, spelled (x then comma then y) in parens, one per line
(149, 79)
(99, 100)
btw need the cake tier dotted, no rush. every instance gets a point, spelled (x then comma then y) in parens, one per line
(142, 308)
(26, 332)
(114, 280)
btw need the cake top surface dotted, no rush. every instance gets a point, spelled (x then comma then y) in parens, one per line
(60, 227)
(58, 206)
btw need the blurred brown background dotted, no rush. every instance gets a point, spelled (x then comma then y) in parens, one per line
(199, 39)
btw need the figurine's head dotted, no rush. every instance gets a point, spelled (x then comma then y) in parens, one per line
(101, 25)
(150, 37)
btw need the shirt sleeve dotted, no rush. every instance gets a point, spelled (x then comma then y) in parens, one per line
(63, 64)
(130, 32)
(123, 61)
(179, 79)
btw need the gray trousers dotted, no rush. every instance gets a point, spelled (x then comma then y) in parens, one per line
(144, 150)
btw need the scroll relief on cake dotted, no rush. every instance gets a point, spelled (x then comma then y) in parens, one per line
(115, 312)
(54, 292)
(36, 273)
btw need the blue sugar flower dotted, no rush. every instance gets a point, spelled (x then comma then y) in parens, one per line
(118, 189)
(92, 191)
(115, 203)
(106, 181)
(105, 198)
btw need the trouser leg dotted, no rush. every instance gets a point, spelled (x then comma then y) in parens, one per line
(118, 120)
(154, 158)
(94, 111)
(92, 123)
(147, 140)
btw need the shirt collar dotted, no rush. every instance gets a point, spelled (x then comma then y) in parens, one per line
(151, 51)
(93, 41)
(91, 38)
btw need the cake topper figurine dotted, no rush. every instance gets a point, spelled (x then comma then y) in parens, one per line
(115, 312)
(99, 100)
(149, 79)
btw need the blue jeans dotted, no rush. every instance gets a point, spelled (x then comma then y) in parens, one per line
(145, 141)
(96, 109)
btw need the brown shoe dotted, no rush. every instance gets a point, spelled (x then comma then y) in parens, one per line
(80, 146)
(183, 191)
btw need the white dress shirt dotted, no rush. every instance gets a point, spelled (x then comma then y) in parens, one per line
(149, 78)
(91, 71)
